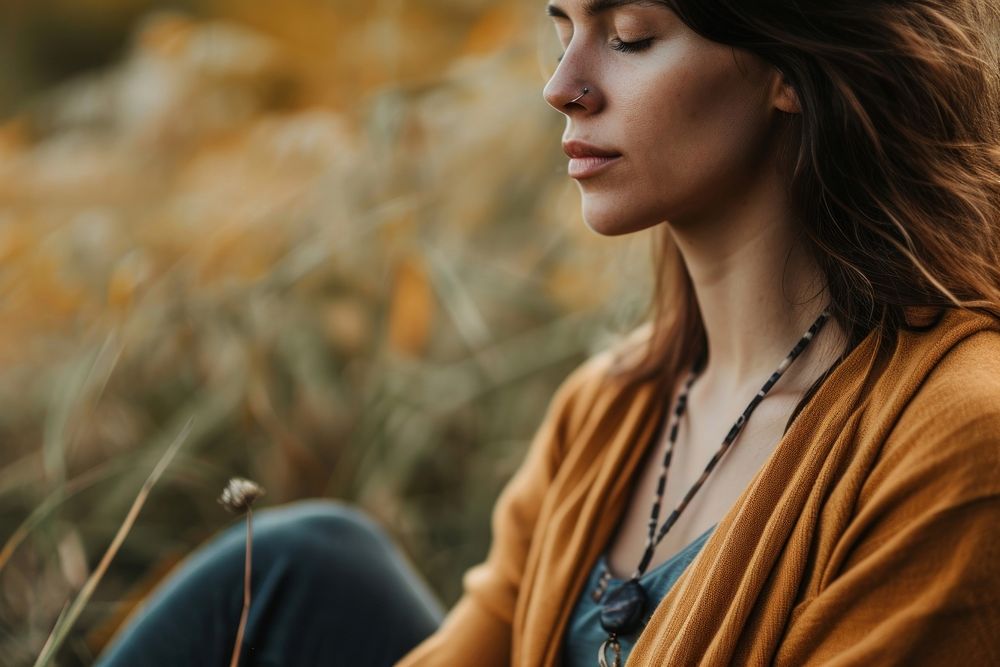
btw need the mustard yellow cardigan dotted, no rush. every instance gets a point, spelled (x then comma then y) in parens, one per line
(871, 536)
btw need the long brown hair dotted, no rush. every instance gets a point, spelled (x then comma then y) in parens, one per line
(893, 165)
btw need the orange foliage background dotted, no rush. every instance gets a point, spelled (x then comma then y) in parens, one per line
(337, 236)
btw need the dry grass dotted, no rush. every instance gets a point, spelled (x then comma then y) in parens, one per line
(341, 245)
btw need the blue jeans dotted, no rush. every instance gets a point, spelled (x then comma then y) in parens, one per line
(328, 586)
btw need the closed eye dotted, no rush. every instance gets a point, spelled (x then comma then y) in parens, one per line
(631, 47)
(624, 47)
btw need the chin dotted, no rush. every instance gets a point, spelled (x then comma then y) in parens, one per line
(608, 219)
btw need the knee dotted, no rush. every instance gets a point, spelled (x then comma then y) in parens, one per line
(325, 516)
(317, 532)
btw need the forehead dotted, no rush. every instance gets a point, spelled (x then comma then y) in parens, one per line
(594, 8)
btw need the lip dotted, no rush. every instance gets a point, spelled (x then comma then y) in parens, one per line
(587, 160)
(585, 167)
(581, 149)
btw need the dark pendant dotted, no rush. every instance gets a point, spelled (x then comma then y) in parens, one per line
(622, 610)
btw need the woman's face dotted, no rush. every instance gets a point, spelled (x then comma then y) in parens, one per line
(691, 119)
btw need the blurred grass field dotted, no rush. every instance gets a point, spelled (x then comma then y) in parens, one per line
(337, 237)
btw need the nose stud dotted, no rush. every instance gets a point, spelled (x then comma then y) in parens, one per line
(585, 91)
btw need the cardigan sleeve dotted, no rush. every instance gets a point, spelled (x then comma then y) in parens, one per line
(915, 580)
(477, 630)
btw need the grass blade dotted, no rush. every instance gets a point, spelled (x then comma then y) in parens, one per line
(66, 620)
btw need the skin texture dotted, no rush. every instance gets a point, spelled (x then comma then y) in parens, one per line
(698, 125)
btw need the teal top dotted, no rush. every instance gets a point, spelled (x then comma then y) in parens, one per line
(584, 634)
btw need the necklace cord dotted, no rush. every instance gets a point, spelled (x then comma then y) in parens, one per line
(734, 431)
(623, 606)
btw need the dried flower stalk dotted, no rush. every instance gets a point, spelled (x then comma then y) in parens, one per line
(239, 496)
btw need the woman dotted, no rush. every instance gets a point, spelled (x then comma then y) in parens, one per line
(795, 461)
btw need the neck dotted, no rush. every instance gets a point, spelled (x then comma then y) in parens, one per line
(758, 291)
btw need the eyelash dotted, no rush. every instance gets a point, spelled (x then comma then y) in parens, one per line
(631, 47)
(624, 47)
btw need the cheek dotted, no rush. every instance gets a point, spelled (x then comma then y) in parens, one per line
(700, 123)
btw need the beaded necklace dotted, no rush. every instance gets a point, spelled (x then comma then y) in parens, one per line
(623, 608)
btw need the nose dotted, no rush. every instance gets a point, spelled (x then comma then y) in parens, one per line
(564, 91)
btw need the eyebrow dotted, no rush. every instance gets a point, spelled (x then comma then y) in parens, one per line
(592, 8)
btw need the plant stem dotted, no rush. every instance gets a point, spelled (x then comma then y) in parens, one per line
(246, 593)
